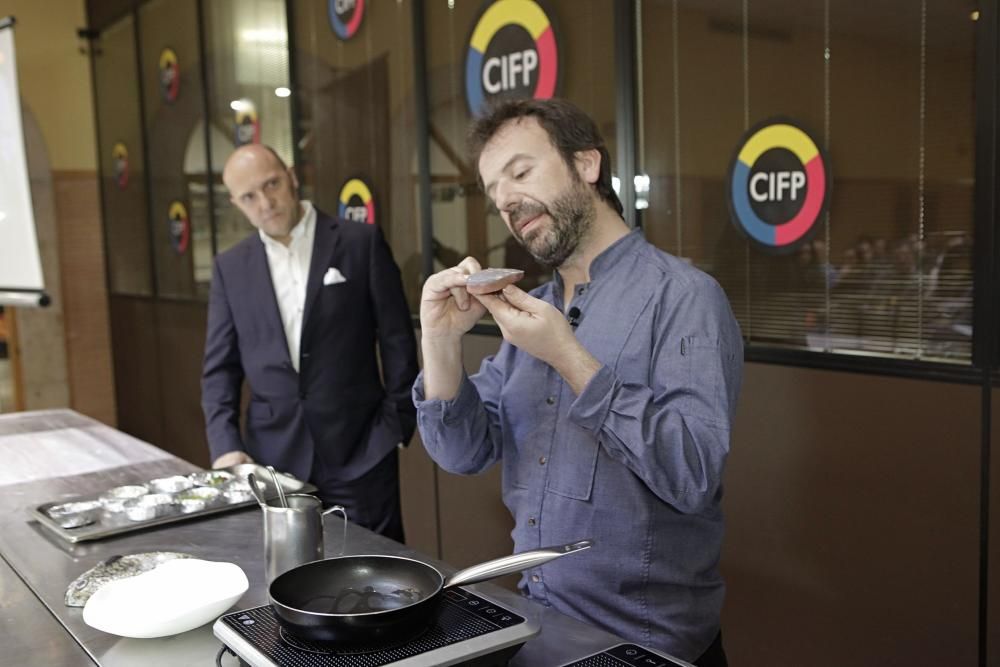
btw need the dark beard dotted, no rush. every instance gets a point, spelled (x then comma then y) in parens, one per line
(572, 214)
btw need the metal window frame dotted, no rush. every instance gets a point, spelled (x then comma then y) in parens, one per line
(206, 111)
(625, 106)
(986, 282)
(144, 135)
(423, 143)
(294, 106)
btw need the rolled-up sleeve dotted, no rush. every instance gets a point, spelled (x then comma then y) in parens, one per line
(461, 434)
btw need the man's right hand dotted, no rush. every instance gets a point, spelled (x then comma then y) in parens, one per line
(446, 309)
(231, 459)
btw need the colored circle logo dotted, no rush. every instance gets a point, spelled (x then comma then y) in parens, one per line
(119, 155)
(778, 184)
(179, 227)
(357, 202)
(345, 16)
(512, 53)
(247, 125)
(170, 77)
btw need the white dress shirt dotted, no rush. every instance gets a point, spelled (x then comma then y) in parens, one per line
(289, 267)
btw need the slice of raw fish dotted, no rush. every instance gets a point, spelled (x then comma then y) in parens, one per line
(492, 280)
(114, 568)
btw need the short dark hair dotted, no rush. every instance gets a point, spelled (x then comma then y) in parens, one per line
(570, 130)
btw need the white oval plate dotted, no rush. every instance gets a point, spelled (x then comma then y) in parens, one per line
(175, 597)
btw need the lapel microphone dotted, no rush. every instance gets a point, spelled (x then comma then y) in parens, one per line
(573, 316)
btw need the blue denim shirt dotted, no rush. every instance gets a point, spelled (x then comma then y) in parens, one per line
(634, 462)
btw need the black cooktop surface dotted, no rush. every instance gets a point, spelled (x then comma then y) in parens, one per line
(462, 616)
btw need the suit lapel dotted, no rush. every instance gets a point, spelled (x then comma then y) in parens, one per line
(324, 243)
(259, 277)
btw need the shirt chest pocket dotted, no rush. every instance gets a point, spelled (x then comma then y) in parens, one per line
(574, 458)
(541, 446)
(563, 459)
(572, 465)
(527, 425)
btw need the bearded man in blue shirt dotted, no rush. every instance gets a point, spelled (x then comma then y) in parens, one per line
(613, 423)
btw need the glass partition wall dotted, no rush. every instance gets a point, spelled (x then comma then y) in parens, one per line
(355, 93)
(884, 93)
(249, 96)
(121, 156)
(170, 59)
(212, 76)
(582, 33)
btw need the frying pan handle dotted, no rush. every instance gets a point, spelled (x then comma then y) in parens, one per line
(509, 564)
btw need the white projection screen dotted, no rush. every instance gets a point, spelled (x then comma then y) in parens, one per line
(21, 281)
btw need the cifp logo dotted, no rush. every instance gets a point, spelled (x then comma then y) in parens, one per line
(119, 154)
(170, 75)
(778, 184)
(247, 125)
(512, 53)
(356, 202)
(345, 16)
(179, 227)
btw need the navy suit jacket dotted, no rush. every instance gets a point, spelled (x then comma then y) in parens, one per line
(337, 406)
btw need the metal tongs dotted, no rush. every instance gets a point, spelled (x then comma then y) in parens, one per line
(277, 485)
(255, 490)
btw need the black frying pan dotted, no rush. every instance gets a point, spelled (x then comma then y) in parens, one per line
(365, 598)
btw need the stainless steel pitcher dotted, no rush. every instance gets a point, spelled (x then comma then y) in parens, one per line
(293, 535)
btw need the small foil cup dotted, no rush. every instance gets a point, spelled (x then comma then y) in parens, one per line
(189, 505)
(214, 478)
(172, 484)
(148, 506)
(238, 485)
(238, 492)
(75, 515)
(206, 493)
(114, 499)
(197, 499)
(243, 470)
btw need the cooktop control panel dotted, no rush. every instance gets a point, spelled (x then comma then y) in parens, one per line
(628, 655)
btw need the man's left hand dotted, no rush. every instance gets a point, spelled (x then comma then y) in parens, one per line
(540, 329)
(529, 323)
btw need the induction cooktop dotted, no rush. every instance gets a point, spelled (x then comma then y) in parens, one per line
(469, 630)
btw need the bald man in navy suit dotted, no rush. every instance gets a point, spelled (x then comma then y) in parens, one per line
(305, 310)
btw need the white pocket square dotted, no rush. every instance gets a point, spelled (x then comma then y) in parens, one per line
(333, 276)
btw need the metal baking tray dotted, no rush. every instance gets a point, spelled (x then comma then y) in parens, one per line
(104, 519)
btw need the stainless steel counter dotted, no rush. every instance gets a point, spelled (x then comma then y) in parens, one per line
(29, 634)
(38, 624)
